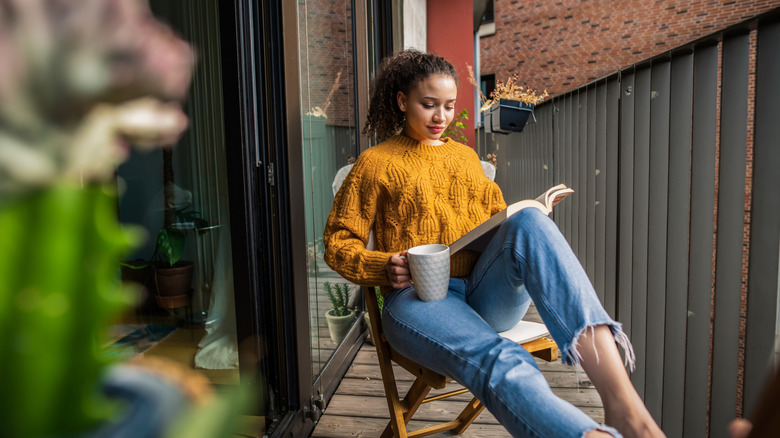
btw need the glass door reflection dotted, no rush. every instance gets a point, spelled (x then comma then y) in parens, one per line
(329, 143)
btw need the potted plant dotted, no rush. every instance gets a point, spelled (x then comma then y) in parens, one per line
(173, 276)
(509, 106)
(380, 301)
(340, 316)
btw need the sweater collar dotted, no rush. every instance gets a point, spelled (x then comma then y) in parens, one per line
(412, 144)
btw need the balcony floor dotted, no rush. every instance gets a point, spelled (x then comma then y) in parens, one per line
(359, 408)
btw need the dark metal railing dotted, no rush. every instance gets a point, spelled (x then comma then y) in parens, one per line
(676, 217)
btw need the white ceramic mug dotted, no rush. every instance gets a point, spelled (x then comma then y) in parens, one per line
(430, 266)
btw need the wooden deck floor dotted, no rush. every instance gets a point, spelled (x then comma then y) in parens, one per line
(358, 408)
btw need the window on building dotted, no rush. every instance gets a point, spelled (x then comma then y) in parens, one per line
(487, 83)
(487, 24)
(487, 17)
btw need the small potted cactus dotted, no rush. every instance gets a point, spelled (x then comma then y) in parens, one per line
(340, 316)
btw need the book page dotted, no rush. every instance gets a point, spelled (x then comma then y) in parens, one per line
(478, 238)
(525, 331)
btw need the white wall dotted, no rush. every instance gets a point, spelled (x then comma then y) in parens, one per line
(414, 24)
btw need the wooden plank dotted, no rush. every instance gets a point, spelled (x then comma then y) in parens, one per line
(626, 198)
(590, 184)
(574, 169)
(554, 378)
(612, 171)
(372, 406)
(730, 224)
(558, 123)
(567, 169)
(333, 426)
(658, 207)
(582, 177)
(677, 247)
(440, 410)
(760, 354)
(549, 144)
(640, 227)
(600, 190)
(705, 83)
(367, 357)
(586, 396)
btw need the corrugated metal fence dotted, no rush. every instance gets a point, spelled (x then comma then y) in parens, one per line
(676, 217)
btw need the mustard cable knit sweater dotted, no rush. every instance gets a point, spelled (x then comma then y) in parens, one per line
(411, 194)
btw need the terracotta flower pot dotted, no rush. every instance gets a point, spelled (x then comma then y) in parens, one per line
(173, 284)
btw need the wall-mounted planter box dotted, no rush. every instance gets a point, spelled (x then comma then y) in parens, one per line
(508, 116)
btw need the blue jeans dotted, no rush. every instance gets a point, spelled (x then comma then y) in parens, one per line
(528, 259)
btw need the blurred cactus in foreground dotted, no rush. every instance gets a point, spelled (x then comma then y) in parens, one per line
(80, 80)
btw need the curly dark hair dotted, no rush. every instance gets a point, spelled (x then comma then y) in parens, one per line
(400, 72)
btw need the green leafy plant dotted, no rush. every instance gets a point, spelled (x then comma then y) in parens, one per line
(338, 294)
(380, 299)
(172, 239)
(456, 128)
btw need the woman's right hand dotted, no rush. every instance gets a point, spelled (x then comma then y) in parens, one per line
(398, 270)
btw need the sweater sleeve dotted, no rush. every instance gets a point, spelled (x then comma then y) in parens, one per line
(496, 199)
(349, 223)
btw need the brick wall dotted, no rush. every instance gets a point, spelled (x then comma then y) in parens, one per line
(561, 45)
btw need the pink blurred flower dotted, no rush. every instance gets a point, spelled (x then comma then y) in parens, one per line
(68, 69)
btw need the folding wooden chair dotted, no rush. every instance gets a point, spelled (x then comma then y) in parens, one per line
(402, 410)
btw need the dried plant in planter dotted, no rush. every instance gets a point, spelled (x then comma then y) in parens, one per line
(322, 111)
(510, 90)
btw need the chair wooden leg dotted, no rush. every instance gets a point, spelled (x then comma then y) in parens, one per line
(397, 425)
(468, 415)
(409, 405)
(388, 432)
(414, 398)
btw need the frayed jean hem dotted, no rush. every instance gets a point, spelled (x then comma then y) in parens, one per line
(570, 354)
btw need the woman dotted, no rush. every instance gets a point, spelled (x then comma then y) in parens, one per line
(418, 188)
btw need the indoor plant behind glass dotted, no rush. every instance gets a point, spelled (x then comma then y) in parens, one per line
(173, 276)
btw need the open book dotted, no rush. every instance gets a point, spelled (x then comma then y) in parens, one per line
(478, 238)
(525, 331)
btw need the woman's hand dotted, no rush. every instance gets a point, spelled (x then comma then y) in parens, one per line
(398, 271)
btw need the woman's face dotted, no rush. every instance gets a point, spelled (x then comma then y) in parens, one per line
(429, 108)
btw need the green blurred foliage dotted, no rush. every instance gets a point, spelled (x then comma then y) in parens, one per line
(59, 289)
(457, 127)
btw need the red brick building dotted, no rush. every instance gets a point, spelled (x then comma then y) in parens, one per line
(561, 45)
